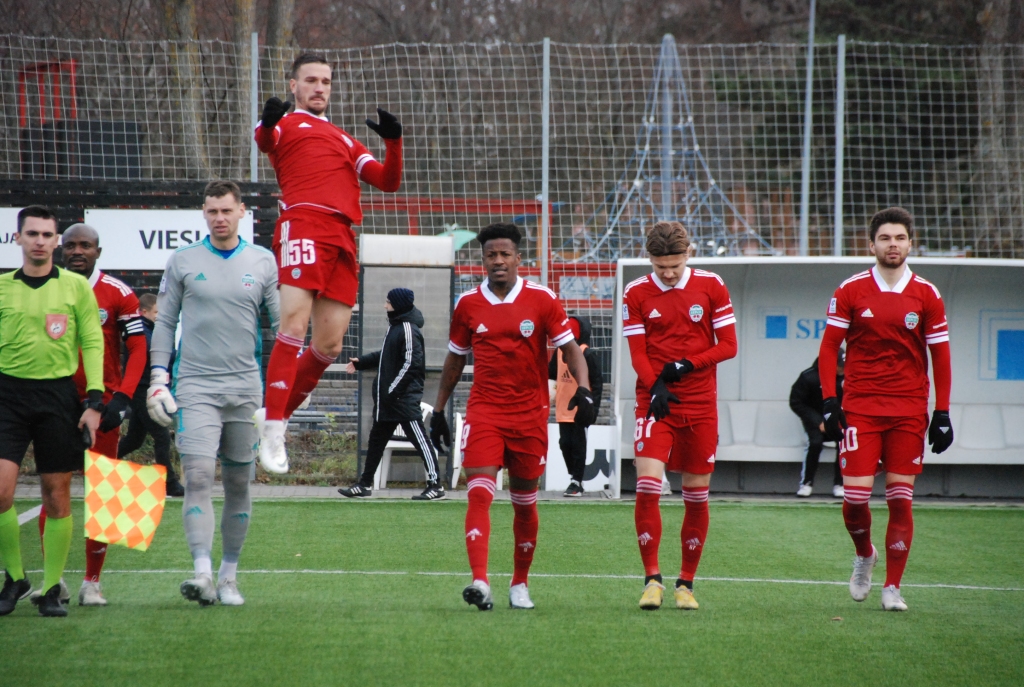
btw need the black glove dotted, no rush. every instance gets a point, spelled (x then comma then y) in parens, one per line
(115, 411)
(273, 111)
(389, 126)
(835, 419)
(440, 435)
(660, 398)
(586, 409)
(673, 372)
(940, 432)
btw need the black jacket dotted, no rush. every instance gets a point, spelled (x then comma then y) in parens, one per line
(593, 362)
(401, 368)
(805, 396)
(143, 387)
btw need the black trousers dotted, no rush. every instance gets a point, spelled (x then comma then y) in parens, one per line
(380, 435)
(139, 425)
(572, 439)
(815, 444)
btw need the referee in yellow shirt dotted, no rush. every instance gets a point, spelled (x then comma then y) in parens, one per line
(46, 315)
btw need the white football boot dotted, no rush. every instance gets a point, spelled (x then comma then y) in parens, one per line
(519, 597)
(91, 594)
(478, 594)
(860, 581)
(804, 491)
(200, 588)
(228, 594)
(892, 600)
(273, 455)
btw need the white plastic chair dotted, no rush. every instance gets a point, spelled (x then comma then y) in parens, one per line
(398, 441)
(456, 454)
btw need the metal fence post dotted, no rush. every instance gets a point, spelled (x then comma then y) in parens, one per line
(254, 103)
(668, 47)
(545, 150)
(837, 230)
(805, 181)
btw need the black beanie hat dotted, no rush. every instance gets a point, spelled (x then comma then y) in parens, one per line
(401, 300)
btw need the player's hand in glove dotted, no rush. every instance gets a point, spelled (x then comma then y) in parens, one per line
(835, 419)
(660, 398)
(115, 411)
(273, 111)
(673, 372)
(440, 435)
(159, 402)
(389, 126)
(586, 409)
(940, 432)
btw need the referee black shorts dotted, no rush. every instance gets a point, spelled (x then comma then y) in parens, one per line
(45, 412)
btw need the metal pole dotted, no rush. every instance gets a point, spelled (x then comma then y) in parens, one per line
(545, 157)
(668, 44)
(837, 231)
(805, 182)
(254, 102)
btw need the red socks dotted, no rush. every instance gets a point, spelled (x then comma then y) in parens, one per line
(900, 532)
(695, 530)
(857, 516)
(95, 554)
(524, 529)
(648, 522)
(281, 372)
(309, 369)
(478, 524)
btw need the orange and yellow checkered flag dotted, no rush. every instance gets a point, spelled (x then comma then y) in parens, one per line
(124, 501)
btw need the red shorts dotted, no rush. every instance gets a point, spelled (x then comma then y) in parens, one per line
(317, 252)
(523, 451)
(895, 442)
(683, 444)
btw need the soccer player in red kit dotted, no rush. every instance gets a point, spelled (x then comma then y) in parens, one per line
(888, 316)
(319, 167)
(506, 322)
(121, 321)
(679, 323)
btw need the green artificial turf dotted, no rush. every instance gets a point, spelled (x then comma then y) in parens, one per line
(349, 626)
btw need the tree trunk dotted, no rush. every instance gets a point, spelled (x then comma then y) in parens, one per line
(180, 18)
(245, 21)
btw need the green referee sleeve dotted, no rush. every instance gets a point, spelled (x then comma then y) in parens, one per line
(90, 337)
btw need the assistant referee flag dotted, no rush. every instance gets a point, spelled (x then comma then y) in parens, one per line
(124, 501)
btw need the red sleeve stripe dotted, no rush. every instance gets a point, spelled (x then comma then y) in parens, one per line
(361, 161)
(722, 317)
(936, 338)
(718, 324)
(838, 322)
(562, 339)
(634, 330)
(457, 350)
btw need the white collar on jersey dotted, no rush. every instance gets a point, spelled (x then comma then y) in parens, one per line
(681, 284)
(900, 285)
(307, 112)
(494, 300)
(95, 278)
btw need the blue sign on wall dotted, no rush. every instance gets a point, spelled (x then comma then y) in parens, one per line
(1010, 354)
(1000, 345)
(776, 326)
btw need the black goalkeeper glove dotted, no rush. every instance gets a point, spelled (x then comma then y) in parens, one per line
(115, 411)
(440, 435)
(273, 111)
(835, 419)
(586, 409)
(673, 372)
(660, 398)
(940, 432)
(389, 126)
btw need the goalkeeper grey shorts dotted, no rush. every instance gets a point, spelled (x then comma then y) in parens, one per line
(218, 426)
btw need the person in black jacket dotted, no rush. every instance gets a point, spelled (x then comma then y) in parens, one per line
(572, 437)
(397, 391)
(805, 400)
(140, 423)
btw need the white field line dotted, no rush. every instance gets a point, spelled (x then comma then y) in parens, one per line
(741, 580)
(30, 514)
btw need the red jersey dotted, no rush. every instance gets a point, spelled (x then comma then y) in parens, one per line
(318, 165)
(692, 320)
(887, 332)
(509, 340)
(120, 319)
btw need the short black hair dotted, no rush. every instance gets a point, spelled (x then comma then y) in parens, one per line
(147, 301)
(893, 215)
(500, 230)
(221, 188)
(307, 58)
(40, 211)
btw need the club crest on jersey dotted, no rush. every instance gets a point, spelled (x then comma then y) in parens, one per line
(103, 316)
(56, 326)
(296, 273)
(911, 320)
(696, 312)
(639, 446)
(248, 281)
(526, 328)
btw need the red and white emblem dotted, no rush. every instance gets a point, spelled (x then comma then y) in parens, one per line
(56, 326)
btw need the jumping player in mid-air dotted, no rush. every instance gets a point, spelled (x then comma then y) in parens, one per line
(680, 324)
(319, 167)
(506, 323)
(891, 319)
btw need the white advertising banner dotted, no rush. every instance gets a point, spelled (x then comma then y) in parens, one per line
(130, 239)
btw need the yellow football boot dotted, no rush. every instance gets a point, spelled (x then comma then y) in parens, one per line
(653, 594)
(685, 600)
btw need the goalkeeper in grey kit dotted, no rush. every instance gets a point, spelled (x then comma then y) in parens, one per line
(216, 287)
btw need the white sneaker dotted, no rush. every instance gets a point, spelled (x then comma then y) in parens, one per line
(519, 597)
(892, 600)
(804, 490)
(200, 588)
(259, 418)
(273, 455)
(666, 488)
(91, 594)
(860, 581)
(478, 594)
(228, 594)
(838, 491)
(65, 593)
